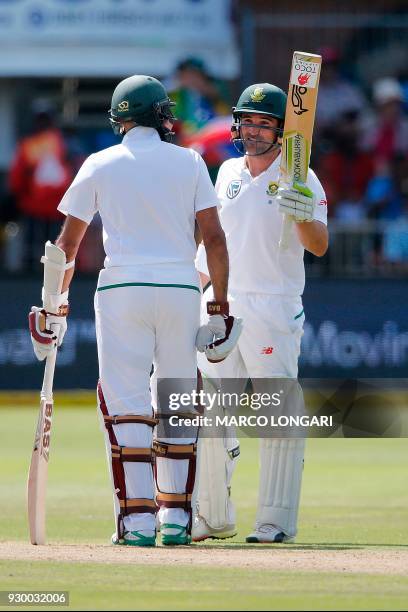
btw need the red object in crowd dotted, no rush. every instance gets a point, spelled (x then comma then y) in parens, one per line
(40, 174)
(213, 141)
(344, 177)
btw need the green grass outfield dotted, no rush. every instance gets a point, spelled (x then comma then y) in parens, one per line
(354, 503)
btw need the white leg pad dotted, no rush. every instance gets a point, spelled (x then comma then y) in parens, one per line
(217, 459)
(280, 483)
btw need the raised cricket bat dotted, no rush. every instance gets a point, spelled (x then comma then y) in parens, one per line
(298, 128)
(37, 476)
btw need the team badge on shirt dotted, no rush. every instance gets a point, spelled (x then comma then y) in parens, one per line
(272, 188)
(233, 189)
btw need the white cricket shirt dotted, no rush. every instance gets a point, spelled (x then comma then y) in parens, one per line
(252, 224)
(147, 193)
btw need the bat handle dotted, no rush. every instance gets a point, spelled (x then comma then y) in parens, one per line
(46, 391)
(285, 235)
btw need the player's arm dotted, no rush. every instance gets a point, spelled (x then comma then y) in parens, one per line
(314, 237)
(216, 249)
(219, 336)
(69, 241)
(48, 324)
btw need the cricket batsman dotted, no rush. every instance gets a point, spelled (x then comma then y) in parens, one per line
(265, 288)
(149, 194)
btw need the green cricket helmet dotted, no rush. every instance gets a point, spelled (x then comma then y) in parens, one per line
(144, 100)
(263, 99)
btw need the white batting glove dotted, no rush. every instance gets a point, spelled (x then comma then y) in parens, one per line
(297, 204)
(220, 335)
(47, 330)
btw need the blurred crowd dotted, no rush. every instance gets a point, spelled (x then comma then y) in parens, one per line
(360, 154)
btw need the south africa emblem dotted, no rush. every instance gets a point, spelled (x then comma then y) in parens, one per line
(233, 189)
(272, 188)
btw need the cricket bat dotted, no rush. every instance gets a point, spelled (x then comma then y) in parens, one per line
(37, 476)
(298, 128)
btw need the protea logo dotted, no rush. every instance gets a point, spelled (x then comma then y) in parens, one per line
(257, 95)
(123, 105)
(233, 189)
(272, 188)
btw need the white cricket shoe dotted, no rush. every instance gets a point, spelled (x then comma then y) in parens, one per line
(202, 531)
(268, 534)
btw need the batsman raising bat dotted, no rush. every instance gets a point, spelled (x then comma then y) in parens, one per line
(265, 289)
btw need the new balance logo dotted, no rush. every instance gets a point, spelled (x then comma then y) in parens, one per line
(267, 350)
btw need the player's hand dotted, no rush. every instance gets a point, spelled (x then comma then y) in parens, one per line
(297, 204)
(219, 336)
(47, 331)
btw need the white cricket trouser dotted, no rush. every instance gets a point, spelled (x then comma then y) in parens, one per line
(268, 347)
(137, 326)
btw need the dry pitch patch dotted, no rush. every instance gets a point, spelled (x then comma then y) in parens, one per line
(374, 561)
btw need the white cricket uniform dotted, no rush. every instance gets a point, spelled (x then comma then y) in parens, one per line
(148, 298)
(265, 283)
(265, 288)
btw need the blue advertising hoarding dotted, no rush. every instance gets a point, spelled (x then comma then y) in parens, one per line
(353, 329)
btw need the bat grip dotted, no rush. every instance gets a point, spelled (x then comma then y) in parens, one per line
(48, 380)
(285, 235)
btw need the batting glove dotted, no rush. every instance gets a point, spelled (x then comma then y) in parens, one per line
(220, 335)
(47, 330)
(297, 204)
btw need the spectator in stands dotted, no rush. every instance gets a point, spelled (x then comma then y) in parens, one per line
(383, 197)
(337, 96)
(344, 169)
(39, 176)
(395, 242)
(198, 96)
(386, 133)
(384, 202)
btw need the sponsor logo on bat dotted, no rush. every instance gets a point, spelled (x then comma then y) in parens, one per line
(297, 93)
(296, 157)
(303, 79)
(233, 189)
(45, 442)
(305, 71)
(257, 95)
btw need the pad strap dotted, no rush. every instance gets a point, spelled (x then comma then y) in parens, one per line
(175, 451)
(128, 453)
(174, 500)
(137, 505)
(111, 420)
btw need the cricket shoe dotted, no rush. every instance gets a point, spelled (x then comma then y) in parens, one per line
(268, 534)
(134, 538)
(202, 531)
(174, 535)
